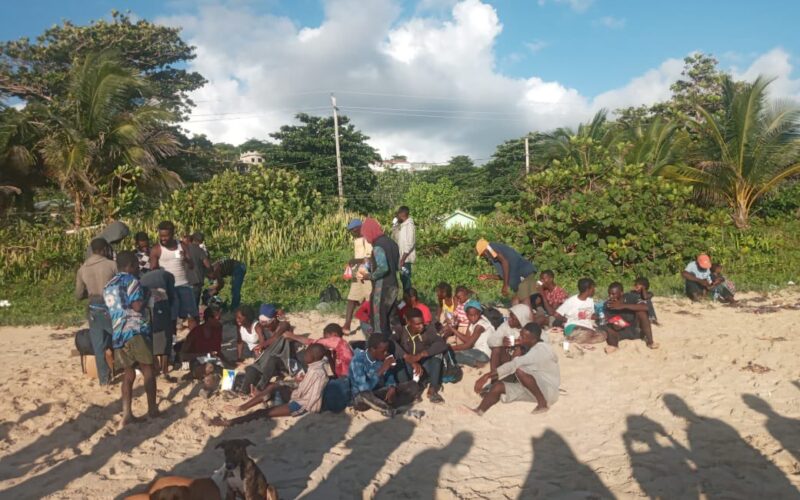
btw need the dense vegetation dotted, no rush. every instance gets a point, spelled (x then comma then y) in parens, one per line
(636, 192)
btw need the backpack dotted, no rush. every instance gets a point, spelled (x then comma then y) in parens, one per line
(330, 294)
(494, 316)
(451, 372)
(83, 343)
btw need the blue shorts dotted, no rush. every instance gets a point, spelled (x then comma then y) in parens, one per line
(185, 305)
(296, 409)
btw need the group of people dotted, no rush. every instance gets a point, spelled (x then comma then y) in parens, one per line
(410, 350)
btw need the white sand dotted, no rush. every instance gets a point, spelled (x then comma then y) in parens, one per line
(671, 423)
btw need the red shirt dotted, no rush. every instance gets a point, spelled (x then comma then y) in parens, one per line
(344, 353)
(555, 297)
(426, 312)
(205, 338)
(363, 312)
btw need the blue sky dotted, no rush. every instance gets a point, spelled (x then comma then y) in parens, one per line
(577, 54)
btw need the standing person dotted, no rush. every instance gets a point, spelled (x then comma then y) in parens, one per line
(125, 300)
(143, 251)
(405, 234)
(517, 273)
(537, 372)
(160, 287)
(173, 256)
(360, 289)
(385, 258)
(697, 277)
(200, 264)
(234, 269)
(92, 277)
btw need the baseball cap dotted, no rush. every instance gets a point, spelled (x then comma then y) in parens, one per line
(354, 224)
(704, 261)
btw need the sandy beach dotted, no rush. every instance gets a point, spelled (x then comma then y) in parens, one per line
(715, 413)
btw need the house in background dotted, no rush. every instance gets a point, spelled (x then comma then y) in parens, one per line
(459, 218)
(401, 163)
(251, 158)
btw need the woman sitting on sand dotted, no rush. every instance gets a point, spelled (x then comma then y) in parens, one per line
(474, 347)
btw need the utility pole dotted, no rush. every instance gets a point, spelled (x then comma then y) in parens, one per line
(338, 154)
(527, 157)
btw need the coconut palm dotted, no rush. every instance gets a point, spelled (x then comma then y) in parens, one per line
(754, 145)
(564, 142)
(658, 143)
(106, 122)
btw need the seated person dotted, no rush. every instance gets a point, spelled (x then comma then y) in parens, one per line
(274, 351)
(420, 349)
(499, 342)
(536, 371)
(577, 313)
(697, 277)
(548, 298)
(642, 287)
(723, 289)
(447, 304)
(338, 348)
(627, 318)
(460, 320)
(474, 347)
(412, 302)
(373, 379)
(249, 335)
(202, 340)
(307, 398)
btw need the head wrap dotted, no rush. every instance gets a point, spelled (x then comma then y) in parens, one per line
(473, 304)
(371, 230)
(267, 312)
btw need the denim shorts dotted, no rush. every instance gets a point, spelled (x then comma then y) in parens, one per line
(185, 305)
(296, 409)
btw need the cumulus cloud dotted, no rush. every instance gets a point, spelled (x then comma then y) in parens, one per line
(611, 22)
(426, 87)
(774, 64)
(536, 46)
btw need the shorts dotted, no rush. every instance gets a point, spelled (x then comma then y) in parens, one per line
(135, 350)
(516, 392)
(527, 287)
(359, 291)
(296, 409)
(185, 305)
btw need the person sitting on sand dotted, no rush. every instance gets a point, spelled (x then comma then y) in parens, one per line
(307, 398)
(577, 313)
(627, 318)
(641, 287)
(537, 372)
(130, 337)
(338, 348)
(273, 350)
(460, 320)
(474, 347)
(373, 379)
(499, 341)
(447, 304)
(412, 301)
(548, 297)
(724, 289)
(697, 277)
(420, 349)
(205, 339)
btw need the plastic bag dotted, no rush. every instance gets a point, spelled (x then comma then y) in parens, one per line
(348, 273)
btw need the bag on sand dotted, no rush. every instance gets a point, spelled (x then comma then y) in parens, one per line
(451, 372)
(494, 316)
(330, 294)
(83, 343)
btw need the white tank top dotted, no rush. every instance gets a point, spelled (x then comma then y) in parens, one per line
(249, 337)
(172, 262)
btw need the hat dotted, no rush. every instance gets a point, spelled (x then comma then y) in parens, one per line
(704, 261)
(481, 246)
(267, 311)
(354, 224)
(473, 304)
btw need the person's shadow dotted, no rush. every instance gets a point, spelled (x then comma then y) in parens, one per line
(662, 470)
(784, 429)
(5, 427)
(420, 477)
(369, 450)
(556, 471)
(727, 465)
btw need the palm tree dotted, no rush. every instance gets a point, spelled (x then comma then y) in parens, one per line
(754, 145)
(564, 142)
(105, 122)
(656, 144)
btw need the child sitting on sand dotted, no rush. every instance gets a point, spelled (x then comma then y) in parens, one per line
(307, 398)
(461, 322)
(577, 313)
(537, 373)
(474, 348)
(447, 304)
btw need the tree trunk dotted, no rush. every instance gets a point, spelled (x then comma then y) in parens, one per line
(78, 209)
(741, 217)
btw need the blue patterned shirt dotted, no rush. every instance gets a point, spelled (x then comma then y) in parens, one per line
(364, 374)
(119, 294)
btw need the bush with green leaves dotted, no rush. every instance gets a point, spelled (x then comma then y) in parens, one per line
(236, 201)
(429, 201)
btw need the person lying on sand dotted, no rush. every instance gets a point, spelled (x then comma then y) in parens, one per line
(627, 318)
(537, 372)
(307, 398)
(577, 313)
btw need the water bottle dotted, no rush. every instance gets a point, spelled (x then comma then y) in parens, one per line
(277, 400)
(602, 317)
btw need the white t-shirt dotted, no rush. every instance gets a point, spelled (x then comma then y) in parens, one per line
(541, 362)
(249, 337)
(578, 312)
(482, 344)
(701, 274)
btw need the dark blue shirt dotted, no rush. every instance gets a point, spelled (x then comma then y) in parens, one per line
(519, 267)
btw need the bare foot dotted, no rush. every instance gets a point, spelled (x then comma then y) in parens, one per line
(654, 345)
(540, 409)
(128, 419)
(466, 410)
(610, 349)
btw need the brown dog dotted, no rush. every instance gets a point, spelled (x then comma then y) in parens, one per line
(179, 488)
(243, 477)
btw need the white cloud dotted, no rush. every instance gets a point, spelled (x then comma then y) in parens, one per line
(576, 5)
(611, 22)
(536, 46)
(774, 64)
(427, 87)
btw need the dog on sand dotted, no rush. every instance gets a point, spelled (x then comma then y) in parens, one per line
(242, 476)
